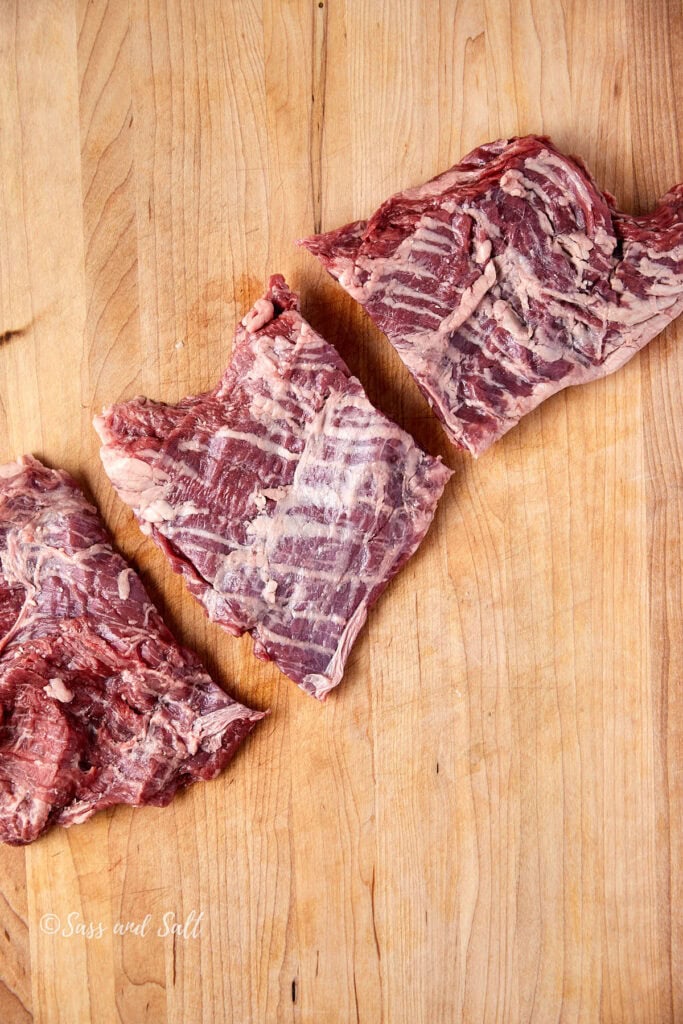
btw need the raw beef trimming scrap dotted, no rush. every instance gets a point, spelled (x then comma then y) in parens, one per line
(507, 278)
(98, 704)
(283, 497)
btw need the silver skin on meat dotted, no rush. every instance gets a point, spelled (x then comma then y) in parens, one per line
(507, 278)
(285, 499)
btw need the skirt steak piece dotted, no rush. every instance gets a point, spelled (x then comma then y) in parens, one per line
(507, 278)
(285, 499)
(98, 704)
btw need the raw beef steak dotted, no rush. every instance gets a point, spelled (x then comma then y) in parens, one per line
(507, 278)
(98, 704)
(285, 499)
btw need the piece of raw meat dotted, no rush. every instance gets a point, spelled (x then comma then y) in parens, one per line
(507, 278)
(284, 498)
(98, 704)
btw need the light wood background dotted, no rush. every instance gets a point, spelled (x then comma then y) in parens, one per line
(483, 824)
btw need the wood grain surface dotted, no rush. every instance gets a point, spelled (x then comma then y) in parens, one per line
(483, 824)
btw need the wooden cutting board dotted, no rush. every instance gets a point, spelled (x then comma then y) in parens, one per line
(483, 823)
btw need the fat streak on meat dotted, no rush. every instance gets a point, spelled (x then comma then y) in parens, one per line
(98, 704)
(284, 498)
(507, 278)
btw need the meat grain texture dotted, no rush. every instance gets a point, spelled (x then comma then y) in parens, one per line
(285, 499)
(99, 705)
(507, 278)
